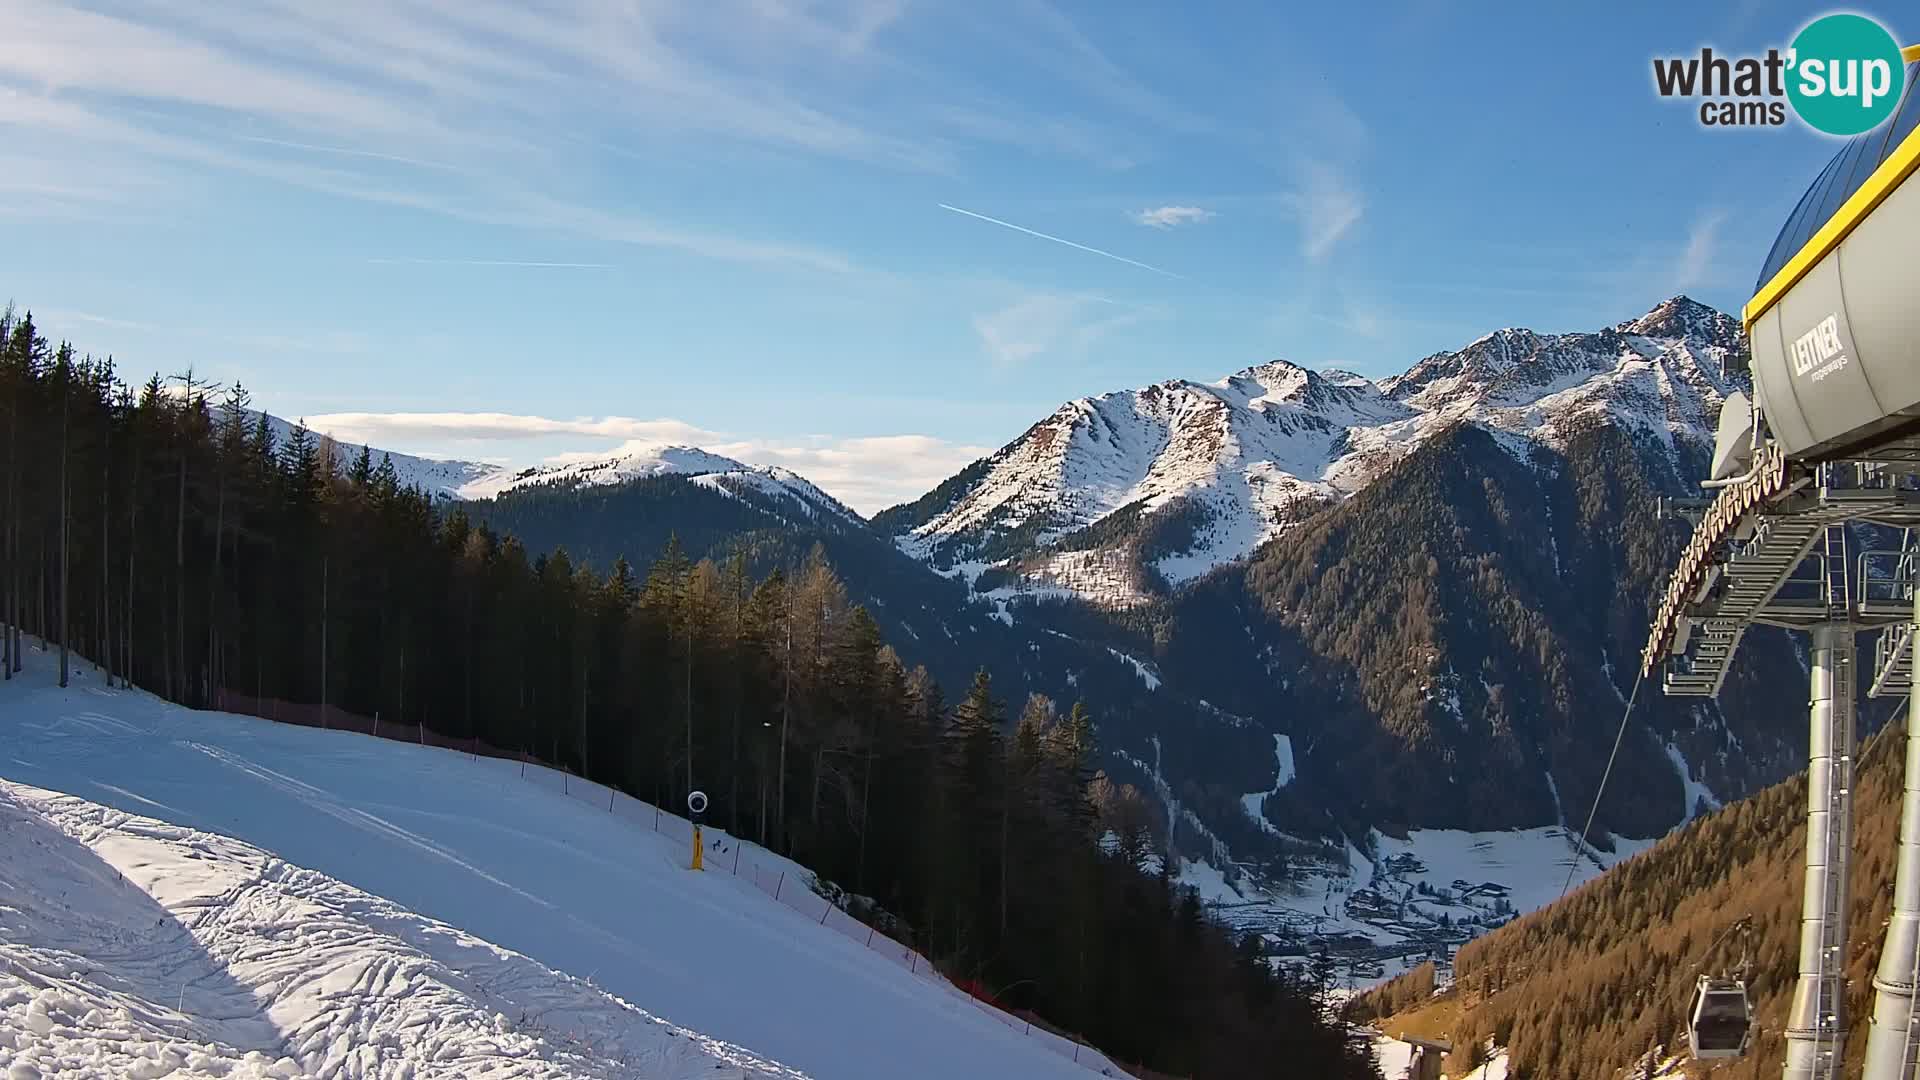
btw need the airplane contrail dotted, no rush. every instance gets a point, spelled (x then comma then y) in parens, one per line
(346, 150)
(1061, 240)
(492, 262)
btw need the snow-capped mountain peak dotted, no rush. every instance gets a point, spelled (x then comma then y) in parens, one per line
(1683, 317)
(724, 475)
(1181, 476)
(1343, 377)
(631, 463)
(1277, 384)
(786, 488)
(453, 479)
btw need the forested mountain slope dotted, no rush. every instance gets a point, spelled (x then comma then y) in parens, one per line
(1442, 618)
(1589, 985)
(1446, 644)
(1456, 644)
(719, 516)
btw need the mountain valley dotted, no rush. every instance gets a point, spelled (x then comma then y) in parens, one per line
(1431, 587)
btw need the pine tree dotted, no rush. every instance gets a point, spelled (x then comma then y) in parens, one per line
(386, 478)
(300, 460)
(12, 386)
(63, 374)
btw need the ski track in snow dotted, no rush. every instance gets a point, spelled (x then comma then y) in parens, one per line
(1254, 803)
(143, 950)
(1146, 674)
(1696, 791)
(194, 894)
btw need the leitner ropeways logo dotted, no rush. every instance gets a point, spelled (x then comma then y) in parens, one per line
(1842, 75)
(1819, 351)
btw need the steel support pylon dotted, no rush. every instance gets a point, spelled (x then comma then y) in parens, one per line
(1817, 1025)
(1891, 1040)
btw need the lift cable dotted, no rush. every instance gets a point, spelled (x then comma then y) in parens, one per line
(1573, 864)
(1743, 926)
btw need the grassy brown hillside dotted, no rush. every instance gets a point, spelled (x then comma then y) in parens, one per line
(1584, 988)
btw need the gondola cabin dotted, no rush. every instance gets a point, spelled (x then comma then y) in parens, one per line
(1720, 1024)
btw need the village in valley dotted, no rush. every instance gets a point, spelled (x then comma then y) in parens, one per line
(1353, 926)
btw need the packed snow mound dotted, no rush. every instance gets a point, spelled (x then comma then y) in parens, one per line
(135, 948)
(1243, 459)
(430, 899)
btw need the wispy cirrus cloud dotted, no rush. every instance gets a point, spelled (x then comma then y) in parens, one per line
(995, 120)
(345, 151)
(1697, 265)
(1692, 260)
(1166, 217)
(1089, 66)
(1063, 325)
(1326, 206)
(496, 203)
(62, 322)
(443, 106)
(522, 263)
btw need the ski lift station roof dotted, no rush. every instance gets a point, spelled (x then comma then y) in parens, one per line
(1832, 321)
(1837, 183)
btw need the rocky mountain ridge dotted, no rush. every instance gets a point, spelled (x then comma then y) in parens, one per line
(1124, 496)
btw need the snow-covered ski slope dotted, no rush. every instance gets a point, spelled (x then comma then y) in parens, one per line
(135, 948)
(201, 894)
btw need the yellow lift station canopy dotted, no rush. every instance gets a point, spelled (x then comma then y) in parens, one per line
(1835, 317)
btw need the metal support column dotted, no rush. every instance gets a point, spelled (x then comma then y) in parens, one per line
(1892, 1041)
(1817, 1026)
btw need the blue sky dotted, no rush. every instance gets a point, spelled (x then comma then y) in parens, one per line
(503, 230)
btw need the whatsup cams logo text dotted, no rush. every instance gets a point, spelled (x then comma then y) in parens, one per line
(1842, 75)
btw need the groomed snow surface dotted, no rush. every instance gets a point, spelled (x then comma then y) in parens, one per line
(189, 894)
(141, 949)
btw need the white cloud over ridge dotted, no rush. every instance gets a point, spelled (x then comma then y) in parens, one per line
(1063, 325)
(868, 473)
